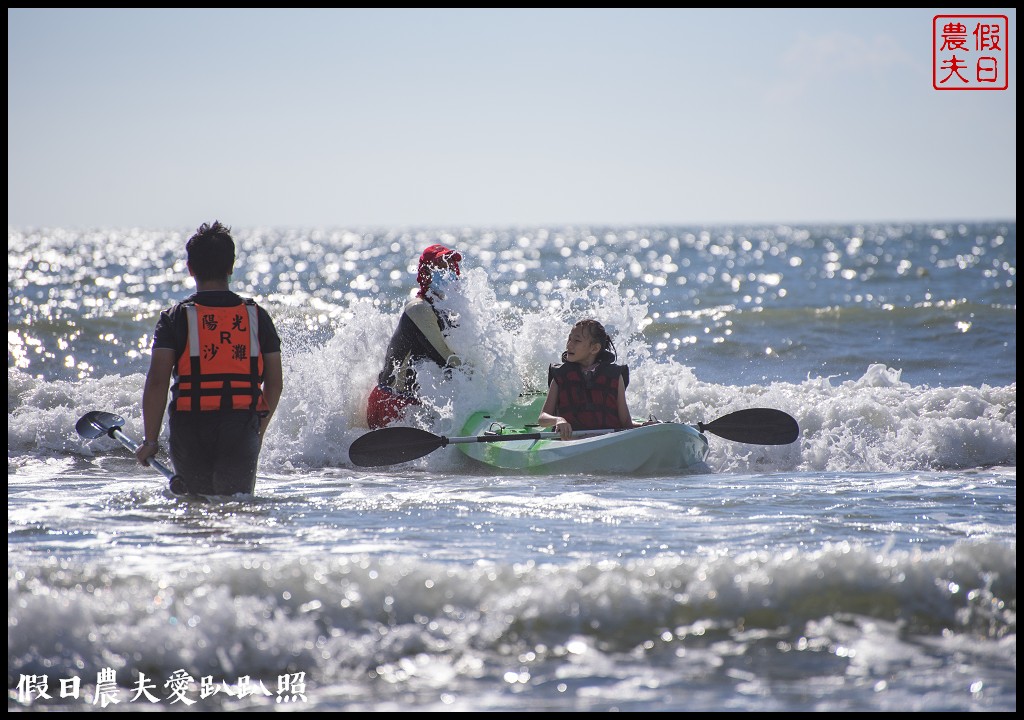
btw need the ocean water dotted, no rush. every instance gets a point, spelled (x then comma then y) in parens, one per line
(869, 566)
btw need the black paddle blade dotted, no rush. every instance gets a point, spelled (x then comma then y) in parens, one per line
(390, 446)
(96, 423)
(757, 426)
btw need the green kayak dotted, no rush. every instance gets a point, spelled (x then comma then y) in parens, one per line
(652, 449)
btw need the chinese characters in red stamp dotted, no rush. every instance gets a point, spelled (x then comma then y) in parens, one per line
(970, 52)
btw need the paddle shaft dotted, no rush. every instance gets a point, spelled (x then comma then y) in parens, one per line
(761, 426)
(520, 436)
(392, 445)
(133, 446)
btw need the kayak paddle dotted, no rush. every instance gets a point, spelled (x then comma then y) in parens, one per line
(96, 423)
(393, 445)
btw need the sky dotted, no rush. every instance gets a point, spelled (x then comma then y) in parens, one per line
(363, 118)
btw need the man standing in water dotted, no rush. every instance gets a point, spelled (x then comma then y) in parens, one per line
(224, 356)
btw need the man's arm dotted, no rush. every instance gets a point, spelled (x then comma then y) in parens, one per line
(154, 397)
(273, 386)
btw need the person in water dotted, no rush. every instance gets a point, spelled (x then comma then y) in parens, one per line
(587, 391)
(421, 335)
(223, 354)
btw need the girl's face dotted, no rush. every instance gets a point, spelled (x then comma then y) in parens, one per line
(581, 348)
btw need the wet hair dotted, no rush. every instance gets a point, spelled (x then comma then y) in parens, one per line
(598, 334)
(211, 252)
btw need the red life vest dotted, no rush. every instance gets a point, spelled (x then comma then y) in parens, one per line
(222, 366)
(589, 401)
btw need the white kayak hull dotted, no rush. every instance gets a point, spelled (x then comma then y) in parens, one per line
(651, 449)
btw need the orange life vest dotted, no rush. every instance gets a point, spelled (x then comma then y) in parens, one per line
(222, 366)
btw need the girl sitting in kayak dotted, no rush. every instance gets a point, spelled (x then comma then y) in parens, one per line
(587, 391)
